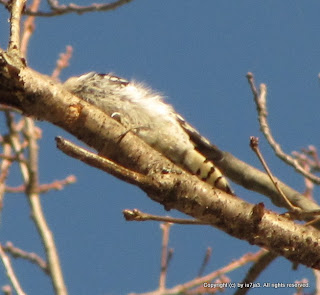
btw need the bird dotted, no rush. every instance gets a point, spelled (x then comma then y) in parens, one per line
(144, 111)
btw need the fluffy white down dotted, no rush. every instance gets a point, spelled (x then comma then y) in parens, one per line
(149, 100)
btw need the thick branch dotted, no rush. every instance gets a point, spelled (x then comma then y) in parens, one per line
(39, 96)
(189, 195)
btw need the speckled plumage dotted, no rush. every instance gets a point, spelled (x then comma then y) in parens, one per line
(142, 110)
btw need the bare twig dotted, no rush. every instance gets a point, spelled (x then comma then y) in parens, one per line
(32, 257)
(29, 172)
(104, 164)
(57, 184)
(306, 163)
(164, 255)
(16, 189)
(296, 212)
(137, 215)
(4, 170)
(310, 156)
(62, 62)
(10, 272)
(309, 160)
(73, 8)
(258, 181)
(44, 188)
(260, 100)
(205, 261)
(254, 144)
(29, 27)
(256, 269)
(38, 215)
(198, 283)
(15, 143)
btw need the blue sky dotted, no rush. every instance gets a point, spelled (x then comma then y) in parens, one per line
(197, 53)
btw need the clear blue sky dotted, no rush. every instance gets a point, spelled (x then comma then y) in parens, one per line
(197, 53)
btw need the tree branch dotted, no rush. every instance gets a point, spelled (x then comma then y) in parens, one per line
(261, 102)
(61, 9)
(38, 96)
(16, 11)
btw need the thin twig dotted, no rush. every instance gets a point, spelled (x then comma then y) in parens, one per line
(137, 215)
(310, 156)
(205, 261)
(44, 188)
(38, 215)
(4, 171)
(10, 272)
(305, 162)
(73, 8)
(32, 257)
(57, 184)
(62, 62)
(15, 143)
(235, 264)
(164, 255)
(254, 144)
(101, 163)
(260, 100)
(296, 212)
(256, 269)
